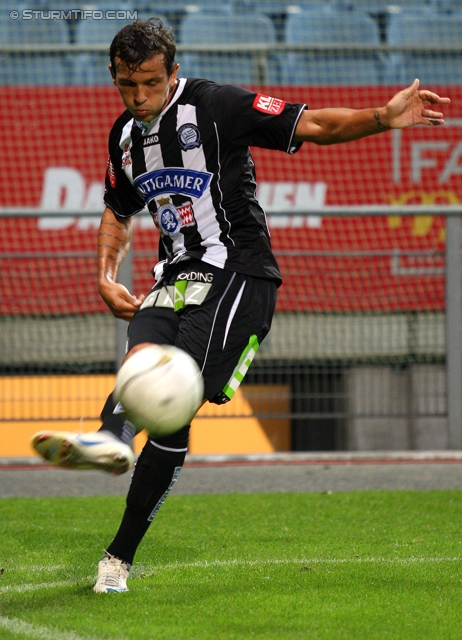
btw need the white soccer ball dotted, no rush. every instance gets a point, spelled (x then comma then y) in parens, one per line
(160, 388)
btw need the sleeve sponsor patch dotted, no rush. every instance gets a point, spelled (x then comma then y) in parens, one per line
(266, 104)
(110, 173)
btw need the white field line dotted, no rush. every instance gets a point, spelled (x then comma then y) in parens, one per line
(318, 561)
(37, 632)
(22, 588)
(39, 568)
(213, 563)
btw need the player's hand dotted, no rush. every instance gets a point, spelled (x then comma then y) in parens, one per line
(119, 299)
(414, 106)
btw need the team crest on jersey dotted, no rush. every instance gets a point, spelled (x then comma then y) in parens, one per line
(126, 156)
(169, 219)
(266, 104)
(189, 137)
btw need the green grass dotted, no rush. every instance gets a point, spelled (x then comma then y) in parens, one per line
(353, 566)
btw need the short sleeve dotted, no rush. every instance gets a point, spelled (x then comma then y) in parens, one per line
(253, 119)
(119, 193)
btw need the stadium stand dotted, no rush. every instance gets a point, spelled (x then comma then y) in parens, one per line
(170, 6)
(202, 28)
(92, 68)
(331, 67)
(175, 10)
(447, 6)
(273, 7)
(381, 6)
(430, 67)
(17, 68)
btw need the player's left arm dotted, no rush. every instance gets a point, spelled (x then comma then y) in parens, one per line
(113, 243)
(407, 108)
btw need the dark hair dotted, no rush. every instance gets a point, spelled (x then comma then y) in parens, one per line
(139, 41)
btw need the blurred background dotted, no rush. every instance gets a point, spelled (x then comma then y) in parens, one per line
(365, 353)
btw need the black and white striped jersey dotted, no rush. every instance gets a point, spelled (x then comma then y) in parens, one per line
(193, 170)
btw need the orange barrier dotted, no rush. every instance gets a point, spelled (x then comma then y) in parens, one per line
(34, 403)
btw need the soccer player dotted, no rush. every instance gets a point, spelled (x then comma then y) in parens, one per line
(181, 149)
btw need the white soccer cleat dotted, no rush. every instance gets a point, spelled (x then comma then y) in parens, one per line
(112, 575)
(93, 450)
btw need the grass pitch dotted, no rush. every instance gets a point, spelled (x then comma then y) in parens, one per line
(357, 565)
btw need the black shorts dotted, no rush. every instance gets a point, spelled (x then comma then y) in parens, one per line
(219, 317)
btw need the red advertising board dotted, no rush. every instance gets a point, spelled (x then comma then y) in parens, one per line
(55, 142)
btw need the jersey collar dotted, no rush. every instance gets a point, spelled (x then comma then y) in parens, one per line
(146, 127)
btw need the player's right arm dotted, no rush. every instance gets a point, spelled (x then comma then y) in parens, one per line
(113, 243)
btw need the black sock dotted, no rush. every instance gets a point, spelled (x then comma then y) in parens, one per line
(116, 423)
(155, 473)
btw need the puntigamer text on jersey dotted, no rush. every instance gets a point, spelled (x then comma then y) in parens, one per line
(186, 181)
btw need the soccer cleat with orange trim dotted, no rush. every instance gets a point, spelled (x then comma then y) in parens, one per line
(92, 450)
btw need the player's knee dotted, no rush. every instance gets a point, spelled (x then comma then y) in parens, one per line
(108, 408)
(137, 347)
(177, 441)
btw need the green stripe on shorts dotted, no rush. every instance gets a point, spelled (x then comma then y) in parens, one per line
(179, 291)
(243, 365)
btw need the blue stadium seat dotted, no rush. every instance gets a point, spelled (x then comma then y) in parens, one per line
(72, 4)
(325, 67)
(382, 6)
(175, 10)
(425, 30)
(30, 31)
(271, 7)
(167, 7)
(37, 68)
(55, 4)
(146, 14)
(447, 6)
(92, 68)
(204, 28)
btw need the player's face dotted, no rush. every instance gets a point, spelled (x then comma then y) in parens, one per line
(147, 90)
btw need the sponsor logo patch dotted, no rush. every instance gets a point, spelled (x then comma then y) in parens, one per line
(266, 104)
(110, 173)
(177, 296)
(196, 276)
(126, 156)
(172, 181)
(150, 140)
